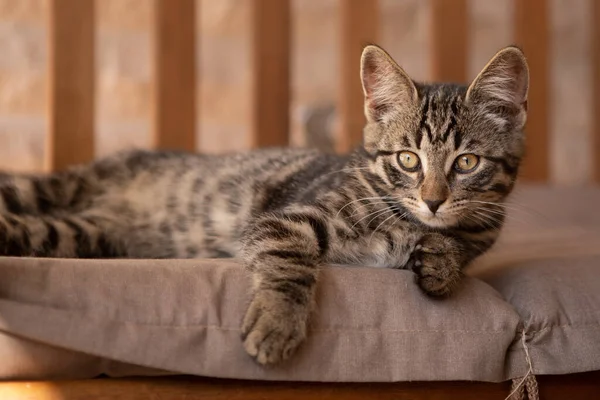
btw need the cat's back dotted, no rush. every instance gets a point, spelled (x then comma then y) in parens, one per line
(130, 164)
(189, 205)
(278, 175)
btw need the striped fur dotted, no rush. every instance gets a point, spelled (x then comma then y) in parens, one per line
(287, 212)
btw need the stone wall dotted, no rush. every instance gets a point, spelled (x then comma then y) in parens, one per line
(124, 72)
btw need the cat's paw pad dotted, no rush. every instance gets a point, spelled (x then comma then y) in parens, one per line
(436, 264)
(272, 329)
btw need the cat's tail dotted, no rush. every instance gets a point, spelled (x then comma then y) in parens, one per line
(75, 189)
(80, 235)
(44, 194)
(49, 216)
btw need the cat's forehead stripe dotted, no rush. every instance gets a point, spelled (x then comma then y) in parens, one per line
(439, 116)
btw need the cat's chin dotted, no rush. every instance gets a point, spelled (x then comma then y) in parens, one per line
(438, 221)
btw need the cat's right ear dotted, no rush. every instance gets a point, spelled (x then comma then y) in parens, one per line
(387, 88)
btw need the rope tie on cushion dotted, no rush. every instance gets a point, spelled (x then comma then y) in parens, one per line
(525, 388)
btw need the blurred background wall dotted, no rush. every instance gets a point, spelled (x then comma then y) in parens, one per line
(124, 72)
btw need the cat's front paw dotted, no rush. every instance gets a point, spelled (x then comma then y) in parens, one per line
(273, 328)
(436, 261)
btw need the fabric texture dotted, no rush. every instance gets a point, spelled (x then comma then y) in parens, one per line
(539, 287)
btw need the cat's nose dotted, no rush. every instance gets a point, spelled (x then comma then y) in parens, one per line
(433, 205)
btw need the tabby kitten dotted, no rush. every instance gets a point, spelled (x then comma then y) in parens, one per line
(424, 192)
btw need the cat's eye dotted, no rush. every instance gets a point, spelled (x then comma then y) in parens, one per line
(409, 161)
(466, 162)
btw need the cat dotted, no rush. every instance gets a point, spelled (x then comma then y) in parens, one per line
(423, 192)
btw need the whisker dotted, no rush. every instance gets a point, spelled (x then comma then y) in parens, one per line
(378, 212)
(500, 212)
(512, 206)
(497, 219)
(488, 220)
(383, 222)
(361, 199)
(375, 217)
(399, 218)
(477, 218)
(366, 205)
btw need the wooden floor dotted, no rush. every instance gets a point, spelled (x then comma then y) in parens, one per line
(572, 387)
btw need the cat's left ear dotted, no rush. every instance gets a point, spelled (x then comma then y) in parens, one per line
(503, 81)
(387, 88)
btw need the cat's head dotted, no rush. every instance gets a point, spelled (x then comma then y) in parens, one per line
(445, 149)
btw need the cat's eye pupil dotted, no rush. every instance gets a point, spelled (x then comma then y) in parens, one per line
(408, 160)
(466, 162)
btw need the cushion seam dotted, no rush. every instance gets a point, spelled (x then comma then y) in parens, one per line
(590, 326)
(324, 330)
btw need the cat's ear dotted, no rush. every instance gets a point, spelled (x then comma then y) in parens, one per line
(504, 80)
(386, 86)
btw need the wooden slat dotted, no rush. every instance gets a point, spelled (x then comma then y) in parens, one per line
(359, 21)
(449, 40)
(532, 35)
(595, 23)
(551, 387)
(270, 123)
(175, 69)
(71, 83)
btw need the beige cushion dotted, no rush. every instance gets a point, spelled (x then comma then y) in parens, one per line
(132, 317)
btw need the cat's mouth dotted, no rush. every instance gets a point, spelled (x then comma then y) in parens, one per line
(446, 215)
(442, 218)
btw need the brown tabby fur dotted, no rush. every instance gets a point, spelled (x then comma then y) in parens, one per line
(288, 212)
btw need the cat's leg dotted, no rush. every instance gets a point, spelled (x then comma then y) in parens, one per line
(284, 252)
(82, 235)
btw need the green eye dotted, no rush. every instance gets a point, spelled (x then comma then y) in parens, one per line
(409, 161)
(466, 163)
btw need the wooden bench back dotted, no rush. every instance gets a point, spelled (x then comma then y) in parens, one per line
(71, 138)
